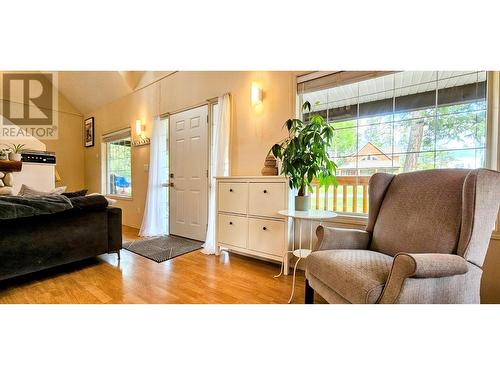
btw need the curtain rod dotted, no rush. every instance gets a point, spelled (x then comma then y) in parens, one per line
(118, 131)
(207, 101)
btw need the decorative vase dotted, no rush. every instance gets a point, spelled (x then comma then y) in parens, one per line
(302, 203)
(14, 157)
(270, 168)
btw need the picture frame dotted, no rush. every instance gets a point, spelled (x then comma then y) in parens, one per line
(88, 132)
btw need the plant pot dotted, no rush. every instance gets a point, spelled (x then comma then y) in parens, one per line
(302, 203)
(270, 168)
(14, 157)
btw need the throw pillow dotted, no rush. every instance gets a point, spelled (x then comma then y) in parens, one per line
(111, 202)
(27, 191)
(73, 194)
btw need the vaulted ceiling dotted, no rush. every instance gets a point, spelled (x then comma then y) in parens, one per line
(90, 90)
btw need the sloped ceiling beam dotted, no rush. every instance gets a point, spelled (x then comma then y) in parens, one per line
(132, 78)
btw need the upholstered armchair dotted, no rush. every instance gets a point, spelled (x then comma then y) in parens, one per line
(425, 241)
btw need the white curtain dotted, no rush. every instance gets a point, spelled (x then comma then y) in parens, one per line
(154, 222)
(219, 165)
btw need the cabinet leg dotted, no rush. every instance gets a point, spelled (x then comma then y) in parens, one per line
(309, 294)
(286, 266)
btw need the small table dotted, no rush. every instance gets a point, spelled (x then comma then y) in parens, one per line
(301, 253)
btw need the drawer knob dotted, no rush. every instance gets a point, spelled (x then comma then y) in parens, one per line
(264, 228)
(230, 190)
(230, 223)
(265, 191)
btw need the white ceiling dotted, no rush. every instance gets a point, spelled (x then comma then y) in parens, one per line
(90, 90)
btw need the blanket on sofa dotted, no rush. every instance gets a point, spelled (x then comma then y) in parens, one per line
(18, 207)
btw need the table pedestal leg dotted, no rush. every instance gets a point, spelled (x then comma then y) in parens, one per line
(293, 280)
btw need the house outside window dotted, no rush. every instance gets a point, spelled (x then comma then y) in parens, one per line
(396, 122)
(117, 164)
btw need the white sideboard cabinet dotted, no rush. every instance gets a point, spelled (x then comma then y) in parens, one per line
(247, 216)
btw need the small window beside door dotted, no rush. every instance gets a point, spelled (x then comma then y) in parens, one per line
(117, 156)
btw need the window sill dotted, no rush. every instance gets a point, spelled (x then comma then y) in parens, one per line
(119, 197)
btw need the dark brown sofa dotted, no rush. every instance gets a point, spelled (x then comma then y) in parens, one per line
(35, 243)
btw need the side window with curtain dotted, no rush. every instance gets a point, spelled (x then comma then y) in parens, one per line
(394, 123)
(117, 158)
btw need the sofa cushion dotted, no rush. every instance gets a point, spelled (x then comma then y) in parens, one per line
(89, 203)
(111, 201)
(73, 194)
(358, 276)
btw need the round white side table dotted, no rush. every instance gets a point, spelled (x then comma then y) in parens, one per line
(302, 253)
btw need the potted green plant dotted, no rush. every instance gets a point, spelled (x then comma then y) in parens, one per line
(4, 155)
(16, 150)
(304, 155)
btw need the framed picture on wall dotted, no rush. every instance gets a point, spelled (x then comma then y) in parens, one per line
(88, 132)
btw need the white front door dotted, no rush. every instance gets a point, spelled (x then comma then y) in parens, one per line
(189, 173)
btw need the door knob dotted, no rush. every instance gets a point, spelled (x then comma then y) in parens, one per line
(230, 223)
(265, 191)
(264, 228)
(171, 184)
(230, 190)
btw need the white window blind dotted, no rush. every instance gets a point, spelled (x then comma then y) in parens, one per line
(116, 135)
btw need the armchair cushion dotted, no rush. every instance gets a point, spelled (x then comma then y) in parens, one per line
(421, 212)
(337, 238)
(357, 275)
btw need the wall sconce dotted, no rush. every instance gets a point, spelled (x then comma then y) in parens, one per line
(256, 94)
(140, 139)
(139, 128)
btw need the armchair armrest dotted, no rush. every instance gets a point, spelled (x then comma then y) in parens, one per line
(337, 238)
(420, 266)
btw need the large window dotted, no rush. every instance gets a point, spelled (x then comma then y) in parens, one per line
(117, 152)
(397, 122)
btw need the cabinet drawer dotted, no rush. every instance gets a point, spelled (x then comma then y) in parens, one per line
(233, 230)
(267, 236)
(233, 197)
(266, 198)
